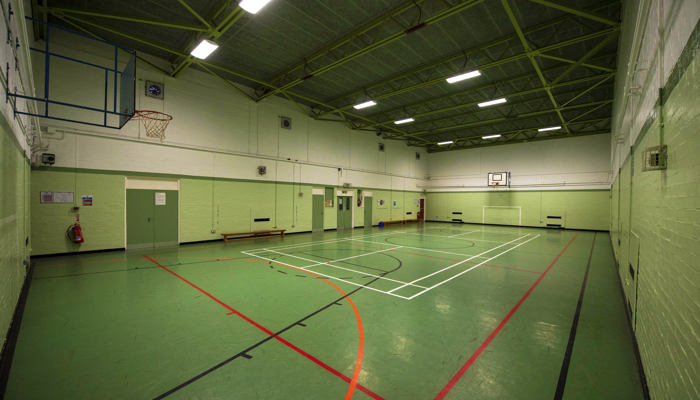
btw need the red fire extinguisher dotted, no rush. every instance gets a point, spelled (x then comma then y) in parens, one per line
(74, 232)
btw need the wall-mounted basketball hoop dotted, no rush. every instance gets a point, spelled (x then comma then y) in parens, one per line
(155, 122)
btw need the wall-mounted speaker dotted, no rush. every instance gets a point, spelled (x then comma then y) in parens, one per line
(285, 122)
(48, 158)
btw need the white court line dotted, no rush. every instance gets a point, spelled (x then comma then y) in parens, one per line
(331, 277)
(328, 263)
(291, 246)
(450, 237)
(465, 233)
(422, 248)
(461, 262)
(467, 270)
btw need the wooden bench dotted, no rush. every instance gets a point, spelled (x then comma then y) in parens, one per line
(253, 234)
(399, 221)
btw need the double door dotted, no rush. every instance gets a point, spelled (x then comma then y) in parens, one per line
(151, 218)
(345, 212)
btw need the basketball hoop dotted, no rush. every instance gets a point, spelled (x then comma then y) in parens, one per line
(155, 122)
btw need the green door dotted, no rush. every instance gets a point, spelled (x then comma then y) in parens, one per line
(368, 212)
(165, 216)
(344, 212)
(317, 213)
(139, 218)
(151, 218)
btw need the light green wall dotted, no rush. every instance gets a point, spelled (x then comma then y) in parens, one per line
(405, 202)
(580, 209)
(102, 223)
(206, 204)
(14, 225)
(663, 209)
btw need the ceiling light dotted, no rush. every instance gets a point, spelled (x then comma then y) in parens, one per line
(492, 102)
(253, 6)
(468, 75)
(491, 136)
(366, 104)
(445, 142)
(551, 128)
(404, 121)
(204, 49)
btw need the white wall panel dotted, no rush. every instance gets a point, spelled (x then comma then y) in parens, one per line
(581, 162)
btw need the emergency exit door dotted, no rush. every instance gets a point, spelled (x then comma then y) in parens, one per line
(344, 212)
(151, 218)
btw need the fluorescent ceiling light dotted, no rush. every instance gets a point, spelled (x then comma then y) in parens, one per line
(551, 128)
(468, 75)
(253, 6)
(204, 49)
(445, 143)
(491, 136)
(366, 104)
(404, 121)
(492, 102)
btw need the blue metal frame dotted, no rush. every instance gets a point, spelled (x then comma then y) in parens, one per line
(47, 63)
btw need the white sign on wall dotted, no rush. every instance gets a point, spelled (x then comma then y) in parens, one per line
(57, 197)
(160, 198)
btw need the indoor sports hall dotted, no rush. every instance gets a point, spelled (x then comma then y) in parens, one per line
(389, 199)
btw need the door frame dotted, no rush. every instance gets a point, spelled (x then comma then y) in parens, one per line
(146, 183)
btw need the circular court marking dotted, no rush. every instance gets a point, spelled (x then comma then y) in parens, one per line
(431, 243)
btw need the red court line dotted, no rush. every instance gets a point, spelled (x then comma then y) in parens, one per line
(493, 334)
(443, 258)
(358, 363)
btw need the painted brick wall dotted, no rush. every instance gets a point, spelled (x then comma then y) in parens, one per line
(663, 209)
(580, 209)
(206, 204)
(13, 226)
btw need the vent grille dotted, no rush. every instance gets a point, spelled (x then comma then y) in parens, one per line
(655, 158)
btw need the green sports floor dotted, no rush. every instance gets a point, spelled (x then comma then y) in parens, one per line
(417, 311)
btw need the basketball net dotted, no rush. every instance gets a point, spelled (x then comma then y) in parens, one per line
(155, 122)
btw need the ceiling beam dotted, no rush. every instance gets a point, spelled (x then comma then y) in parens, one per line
(96, 36)
(465, 53)
(464, 5)
(177, 52)
(516, 57)
(584, 64)
(484, 143)
(576, 11)
(530, 130)
(600, 78)
(212, 34)
(377, 22)
(531, 57)
(97, 14)
(491, 85)
(195, 14)
(585, 57)
(454, 128)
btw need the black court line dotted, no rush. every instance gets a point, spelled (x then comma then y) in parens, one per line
(7, 352)
(574, 325)
(244, 353)
(344, 262)
(118, 270)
